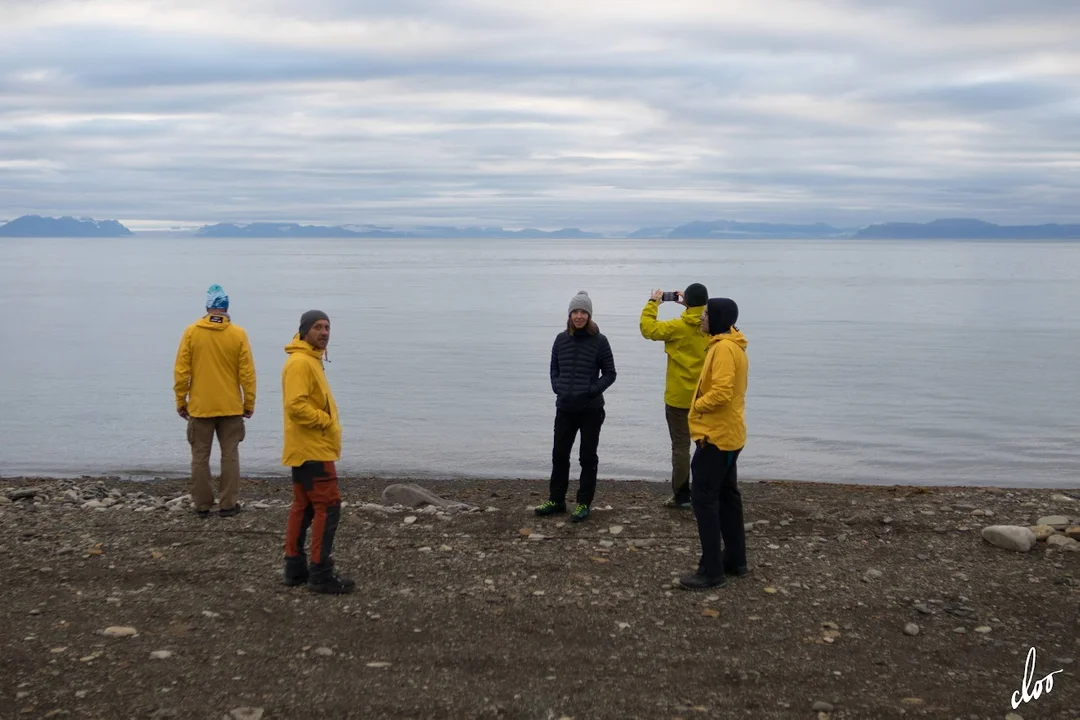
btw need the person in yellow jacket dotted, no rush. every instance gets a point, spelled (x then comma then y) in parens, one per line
(312, 448)
(685, 346)
(214, 384)
(718, 428)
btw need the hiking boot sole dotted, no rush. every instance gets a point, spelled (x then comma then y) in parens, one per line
(331, 589)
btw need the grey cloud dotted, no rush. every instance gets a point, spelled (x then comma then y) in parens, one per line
(538, 126)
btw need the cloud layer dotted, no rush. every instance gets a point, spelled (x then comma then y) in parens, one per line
(601, 114)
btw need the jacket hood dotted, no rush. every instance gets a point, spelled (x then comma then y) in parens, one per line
(692, 316)
(214, 322)
(303, 346)
(734, 336)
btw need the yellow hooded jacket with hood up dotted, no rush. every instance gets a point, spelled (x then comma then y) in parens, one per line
(717, 414)
(685, 346)
(213, 365)
(312, 429)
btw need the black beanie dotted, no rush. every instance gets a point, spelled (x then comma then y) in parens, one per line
(310, 318)
(723, 313)
(695, 295)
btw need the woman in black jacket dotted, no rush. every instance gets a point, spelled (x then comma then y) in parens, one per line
(582, 368)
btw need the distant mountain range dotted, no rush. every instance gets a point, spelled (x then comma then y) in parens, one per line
(963, 229)
(947, 229)
(731, 229)
(37, 226)
(293, 230)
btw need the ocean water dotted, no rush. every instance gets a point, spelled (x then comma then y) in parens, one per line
(922, 362)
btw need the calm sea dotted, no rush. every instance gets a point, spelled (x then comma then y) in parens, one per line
(874, 362)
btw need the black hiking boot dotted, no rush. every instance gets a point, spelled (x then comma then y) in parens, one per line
(296, 570)
(323, 579)
(229, 512)
(701, 581)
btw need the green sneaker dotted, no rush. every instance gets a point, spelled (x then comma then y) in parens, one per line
(550, 508)
(580, 513)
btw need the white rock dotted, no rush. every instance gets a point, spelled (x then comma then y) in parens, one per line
(1058, 522)
(92, 505)
(1009, 537)
(606, 544)
(911, 629)
(324, 651)
(161, 655)
(262, 506)
(615, 529)
(492, 508)
(1063, 498)
(410, 520)
(245, 713)
(425, 549)
(117, 631)
(445, 548)
(415, 496)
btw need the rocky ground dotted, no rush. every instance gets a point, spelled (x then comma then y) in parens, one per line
(864, 602)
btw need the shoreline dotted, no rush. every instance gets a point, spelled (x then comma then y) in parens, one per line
(493, 612)
(458, 478)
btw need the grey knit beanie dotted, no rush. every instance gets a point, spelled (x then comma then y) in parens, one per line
(581, 301)
(308, 319)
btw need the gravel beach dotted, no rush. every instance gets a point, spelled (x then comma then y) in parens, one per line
(863, 602)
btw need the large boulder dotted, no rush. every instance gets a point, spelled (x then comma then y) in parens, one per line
(415, 496)
(1009, 537)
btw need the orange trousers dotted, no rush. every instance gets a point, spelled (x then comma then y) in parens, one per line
(316, 504)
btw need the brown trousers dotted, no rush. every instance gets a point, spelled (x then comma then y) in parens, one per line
(679, 429)
(230, 433)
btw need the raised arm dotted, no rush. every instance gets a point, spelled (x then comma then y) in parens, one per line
(653, 329)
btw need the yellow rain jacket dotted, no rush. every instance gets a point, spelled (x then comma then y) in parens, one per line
(312, 430)
(720, 397)
(685, 346)
(213, 364)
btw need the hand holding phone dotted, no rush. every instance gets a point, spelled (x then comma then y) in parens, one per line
(670, 296)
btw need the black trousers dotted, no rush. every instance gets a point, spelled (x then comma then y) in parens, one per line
(567, 426)
(714, 492)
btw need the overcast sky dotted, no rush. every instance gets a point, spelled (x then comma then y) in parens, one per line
(599, 114)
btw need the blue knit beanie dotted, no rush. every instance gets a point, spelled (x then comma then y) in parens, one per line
(216, 299)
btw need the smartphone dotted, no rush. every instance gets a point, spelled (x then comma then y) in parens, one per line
(671, 297)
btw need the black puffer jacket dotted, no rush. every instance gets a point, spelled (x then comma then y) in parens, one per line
(576, 363)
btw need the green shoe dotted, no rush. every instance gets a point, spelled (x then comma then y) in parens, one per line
(550, 508)
(580, 513)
